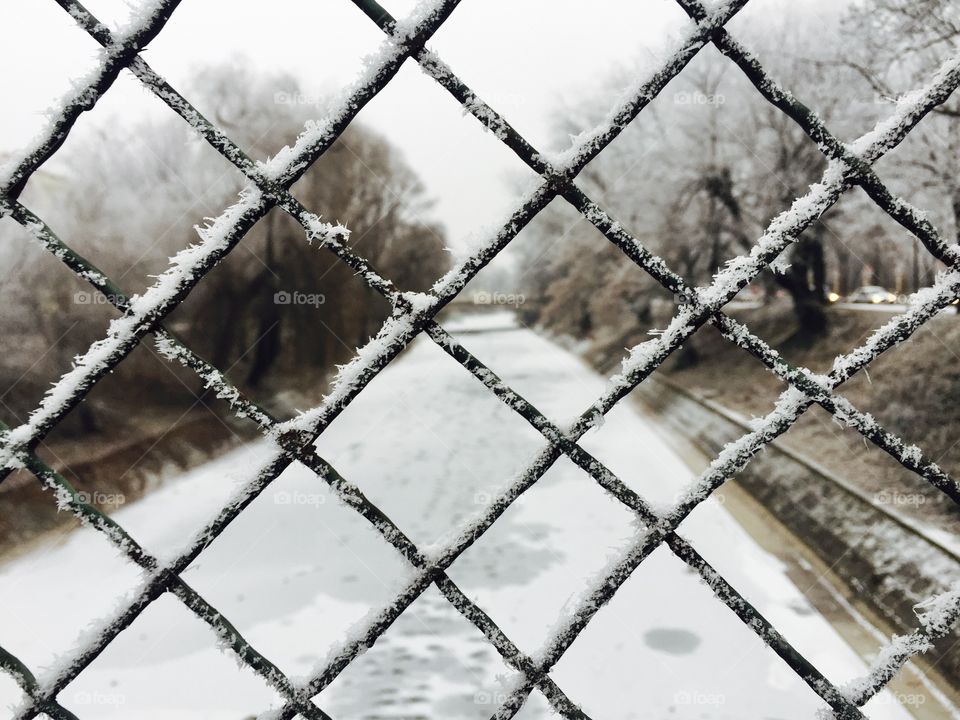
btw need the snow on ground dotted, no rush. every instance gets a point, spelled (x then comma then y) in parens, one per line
(430, 445)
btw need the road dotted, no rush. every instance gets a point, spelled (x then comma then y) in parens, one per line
(430, 445)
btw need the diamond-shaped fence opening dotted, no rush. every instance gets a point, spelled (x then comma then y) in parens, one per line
(414, 314)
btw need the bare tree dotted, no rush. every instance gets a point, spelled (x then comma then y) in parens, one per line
(900, 42)
(133, 205)
(700, 177)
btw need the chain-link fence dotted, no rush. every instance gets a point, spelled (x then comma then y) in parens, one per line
(849, 165)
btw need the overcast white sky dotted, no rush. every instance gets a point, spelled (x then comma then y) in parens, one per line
(527, 58)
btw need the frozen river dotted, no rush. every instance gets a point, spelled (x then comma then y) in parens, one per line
(430, 445)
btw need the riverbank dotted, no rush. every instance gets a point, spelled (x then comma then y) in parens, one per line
(913, 390)
(842, 561)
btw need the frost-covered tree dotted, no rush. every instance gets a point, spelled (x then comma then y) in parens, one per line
(899, 45)
(706, 168)
(696, 179)
(127, 196)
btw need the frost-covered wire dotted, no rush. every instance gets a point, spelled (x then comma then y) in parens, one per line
(646, 514)
(217, 239)
(284, 199)
(39, 695)
(909, 455)
(812, 125)
(25, 679)
(646, 357)
(173, 349)
(415, 312)
(85, 93)
(937, 616)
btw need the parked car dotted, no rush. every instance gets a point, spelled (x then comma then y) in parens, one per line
(872, 294)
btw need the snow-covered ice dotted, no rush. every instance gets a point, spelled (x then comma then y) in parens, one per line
(297, 570)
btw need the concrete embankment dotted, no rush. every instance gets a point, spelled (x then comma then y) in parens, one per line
(889, 561)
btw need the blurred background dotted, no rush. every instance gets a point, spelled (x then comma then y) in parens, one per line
(697, 178)
(419, 183)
